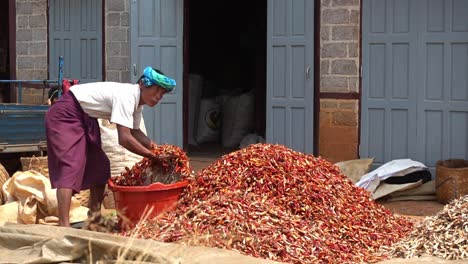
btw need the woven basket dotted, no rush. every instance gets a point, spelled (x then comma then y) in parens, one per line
(3, 178)
(451, 179)
(38, 164)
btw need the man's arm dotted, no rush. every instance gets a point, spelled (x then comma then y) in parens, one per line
(142, 138)
(133, 144)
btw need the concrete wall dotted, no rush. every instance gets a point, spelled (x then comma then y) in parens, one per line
(339, 73)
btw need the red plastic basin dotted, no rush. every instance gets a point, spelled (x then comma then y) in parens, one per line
(134, 202)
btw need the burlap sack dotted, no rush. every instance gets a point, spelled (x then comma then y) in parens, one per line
(40, 164)
(35, 199)
(355, 169)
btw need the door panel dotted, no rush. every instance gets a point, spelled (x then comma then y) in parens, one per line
(156, 37)
(75, 32)
(443, 104)
(389, 111)
(415, 78)
(290, 74)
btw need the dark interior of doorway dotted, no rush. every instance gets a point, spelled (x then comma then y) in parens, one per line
(4, 52)
(9, 161)
(227, 49)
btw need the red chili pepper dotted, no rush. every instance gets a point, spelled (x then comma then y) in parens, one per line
(271, 202)
(138, 175)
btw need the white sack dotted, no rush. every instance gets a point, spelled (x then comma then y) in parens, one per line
(119, 156)
(251, 139)
(195, 92)
(209, 121)
(238, 119)
(400, 167)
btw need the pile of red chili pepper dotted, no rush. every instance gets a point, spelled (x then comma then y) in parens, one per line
(270, 202)
(175, 163)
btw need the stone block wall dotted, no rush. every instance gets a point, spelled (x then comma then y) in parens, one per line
(339, 129)
(31, 46)
(339, 73)
(117, 37)
(339, 63)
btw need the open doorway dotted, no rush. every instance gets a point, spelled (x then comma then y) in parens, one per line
(4, 52)
(227, 75)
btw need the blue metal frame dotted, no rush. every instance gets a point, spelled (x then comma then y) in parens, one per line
(60, 76)
(20, 82)
(22, 125)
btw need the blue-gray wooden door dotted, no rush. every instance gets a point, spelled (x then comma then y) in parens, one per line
(156, 40)
(415, 80)
(290, 46)
(75, 32)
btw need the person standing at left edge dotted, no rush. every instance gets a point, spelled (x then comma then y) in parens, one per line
(75, 157)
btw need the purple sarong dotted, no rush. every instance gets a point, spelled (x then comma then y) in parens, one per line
(75, 157)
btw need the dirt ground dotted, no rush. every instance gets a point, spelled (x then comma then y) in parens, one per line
(414, 209)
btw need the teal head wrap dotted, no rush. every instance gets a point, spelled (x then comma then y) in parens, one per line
(152, 77)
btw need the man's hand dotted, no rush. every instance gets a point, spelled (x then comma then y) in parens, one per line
(164, 157)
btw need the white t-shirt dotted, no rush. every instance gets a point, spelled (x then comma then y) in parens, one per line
(116, 102)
